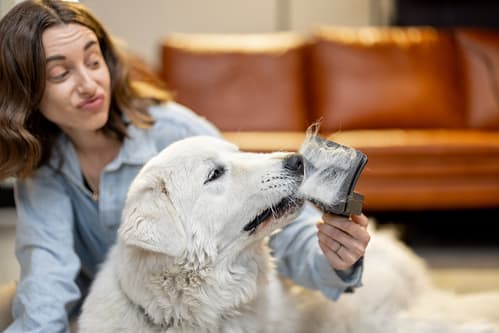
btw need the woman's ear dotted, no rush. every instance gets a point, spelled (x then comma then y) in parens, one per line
(150, 221)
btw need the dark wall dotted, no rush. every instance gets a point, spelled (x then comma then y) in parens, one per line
(447, 13)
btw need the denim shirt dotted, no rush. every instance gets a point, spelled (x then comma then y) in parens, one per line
(64, 234)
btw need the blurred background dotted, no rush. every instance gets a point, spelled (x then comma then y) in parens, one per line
(413, 83)
(143, 24)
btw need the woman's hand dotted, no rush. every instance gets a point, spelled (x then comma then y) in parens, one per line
(343, 240)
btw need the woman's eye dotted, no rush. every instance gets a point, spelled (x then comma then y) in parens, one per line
(94, 59)
(215, 174)
(58, 75)
(94, 63)
(57, 72)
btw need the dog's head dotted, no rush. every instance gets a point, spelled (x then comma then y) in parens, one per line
(202, 193)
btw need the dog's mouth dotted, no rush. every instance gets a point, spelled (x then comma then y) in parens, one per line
(286, 206)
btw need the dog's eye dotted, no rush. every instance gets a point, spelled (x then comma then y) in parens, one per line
(215, 174)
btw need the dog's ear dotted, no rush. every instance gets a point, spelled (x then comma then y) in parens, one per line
(151, 222)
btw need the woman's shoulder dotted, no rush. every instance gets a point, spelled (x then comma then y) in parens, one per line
(173, 122)
(44, 185)
(176, 117)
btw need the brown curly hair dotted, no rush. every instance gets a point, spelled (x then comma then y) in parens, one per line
(26, 137)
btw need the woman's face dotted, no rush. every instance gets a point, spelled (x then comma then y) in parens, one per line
(77, 93)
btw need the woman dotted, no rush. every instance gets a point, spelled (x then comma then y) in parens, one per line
(74, 131)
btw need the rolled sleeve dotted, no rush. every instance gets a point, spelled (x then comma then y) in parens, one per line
(47, 290)
(299, 257)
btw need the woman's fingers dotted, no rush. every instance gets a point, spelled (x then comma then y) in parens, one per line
(356, 227)
(332, 235)
(343, 240)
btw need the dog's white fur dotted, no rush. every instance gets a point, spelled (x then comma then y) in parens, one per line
(183, 262)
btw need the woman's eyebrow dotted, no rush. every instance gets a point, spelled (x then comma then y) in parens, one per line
(54, 58)
(61, 57)
(89, 44)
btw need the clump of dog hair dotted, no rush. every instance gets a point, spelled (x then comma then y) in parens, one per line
(330, 171)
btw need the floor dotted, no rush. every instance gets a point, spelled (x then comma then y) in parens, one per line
(9, 269)
(461, 248)
(456, 264)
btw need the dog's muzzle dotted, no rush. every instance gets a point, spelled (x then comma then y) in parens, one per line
(294, 165)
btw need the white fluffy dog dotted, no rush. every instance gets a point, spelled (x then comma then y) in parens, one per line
(192, 256)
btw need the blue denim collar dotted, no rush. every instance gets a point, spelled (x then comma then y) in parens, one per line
(136, 149)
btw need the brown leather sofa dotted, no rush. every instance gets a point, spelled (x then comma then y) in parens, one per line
(422, 103)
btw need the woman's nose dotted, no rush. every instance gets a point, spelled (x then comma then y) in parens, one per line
(86, 83)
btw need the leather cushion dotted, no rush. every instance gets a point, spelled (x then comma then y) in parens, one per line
(238, 88)
(480, 51)
(365, 78)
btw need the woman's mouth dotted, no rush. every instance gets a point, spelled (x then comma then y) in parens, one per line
(92, 104)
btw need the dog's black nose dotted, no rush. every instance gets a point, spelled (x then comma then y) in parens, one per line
(294, 163)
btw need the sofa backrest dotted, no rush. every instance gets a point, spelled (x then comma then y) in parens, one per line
(239, 82)
(346, 78)
(480, 59)
(366, 78)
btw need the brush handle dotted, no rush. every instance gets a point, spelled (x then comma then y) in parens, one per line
(354, 204)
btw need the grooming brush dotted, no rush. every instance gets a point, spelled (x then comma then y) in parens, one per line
(331, 171)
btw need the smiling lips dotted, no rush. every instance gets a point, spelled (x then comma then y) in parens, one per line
(92, 104)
